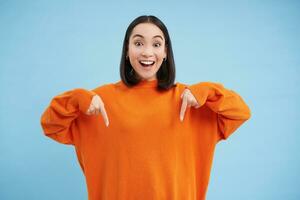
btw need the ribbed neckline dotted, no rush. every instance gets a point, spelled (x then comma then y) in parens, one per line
(147, 84)
(141, 84)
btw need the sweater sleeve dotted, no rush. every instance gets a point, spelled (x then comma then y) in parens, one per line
(59, 116)
(230, 108)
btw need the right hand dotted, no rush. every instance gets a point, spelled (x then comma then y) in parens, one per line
(96, 107)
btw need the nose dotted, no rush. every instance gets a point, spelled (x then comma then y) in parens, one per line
(147, 51)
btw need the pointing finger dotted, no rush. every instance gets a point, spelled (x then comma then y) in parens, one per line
(104, 115)
(97, 111)
(182, 93)
(183, 108)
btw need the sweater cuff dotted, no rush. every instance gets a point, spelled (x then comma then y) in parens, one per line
(83, 99)
(200, 93)
(206, 92)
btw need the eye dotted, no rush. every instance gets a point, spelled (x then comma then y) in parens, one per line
(157, 44)
(137, 43)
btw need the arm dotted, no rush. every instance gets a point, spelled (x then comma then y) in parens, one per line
(64, 108)
(231, 110)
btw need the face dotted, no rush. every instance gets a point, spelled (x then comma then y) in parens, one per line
(146, 50)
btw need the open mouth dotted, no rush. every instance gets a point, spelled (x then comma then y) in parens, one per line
(146, 63)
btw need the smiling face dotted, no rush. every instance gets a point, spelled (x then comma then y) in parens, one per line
(146, 50)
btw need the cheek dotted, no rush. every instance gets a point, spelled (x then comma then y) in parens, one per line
(133, 53)
(161, 53)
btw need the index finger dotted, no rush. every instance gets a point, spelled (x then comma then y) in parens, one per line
(183, 108)
(104, 115)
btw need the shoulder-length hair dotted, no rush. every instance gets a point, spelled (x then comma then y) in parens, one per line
(166, 74)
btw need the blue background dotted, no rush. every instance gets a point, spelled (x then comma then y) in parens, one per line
(252, 47)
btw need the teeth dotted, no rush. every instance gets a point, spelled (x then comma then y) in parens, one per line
(147, 62)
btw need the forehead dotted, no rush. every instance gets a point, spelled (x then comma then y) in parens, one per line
(147, 30)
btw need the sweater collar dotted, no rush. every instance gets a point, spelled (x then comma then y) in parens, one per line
(147, 84)
(141, 84)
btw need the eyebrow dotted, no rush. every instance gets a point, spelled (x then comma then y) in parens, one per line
(138, 35)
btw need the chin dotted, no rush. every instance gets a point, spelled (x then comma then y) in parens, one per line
(151, 74)
(147, 78)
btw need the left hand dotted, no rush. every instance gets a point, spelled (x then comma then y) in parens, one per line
(188, 100)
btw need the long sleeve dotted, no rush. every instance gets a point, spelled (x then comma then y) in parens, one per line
(231, 110)
(64, 108)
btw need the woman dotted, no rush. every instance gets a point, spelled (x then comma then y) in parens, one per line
(145, 137)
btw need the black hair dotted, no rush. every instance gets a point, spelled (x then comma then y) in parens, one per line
(166, 74)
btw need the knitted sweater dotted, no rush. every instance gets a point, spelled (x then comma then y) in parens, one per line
(146, 152)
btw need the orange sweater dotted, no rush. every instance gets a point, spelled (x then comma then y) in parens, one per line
(146, 152)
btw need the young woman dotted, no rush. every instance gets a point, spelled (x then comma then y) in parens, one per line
(145, 137)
